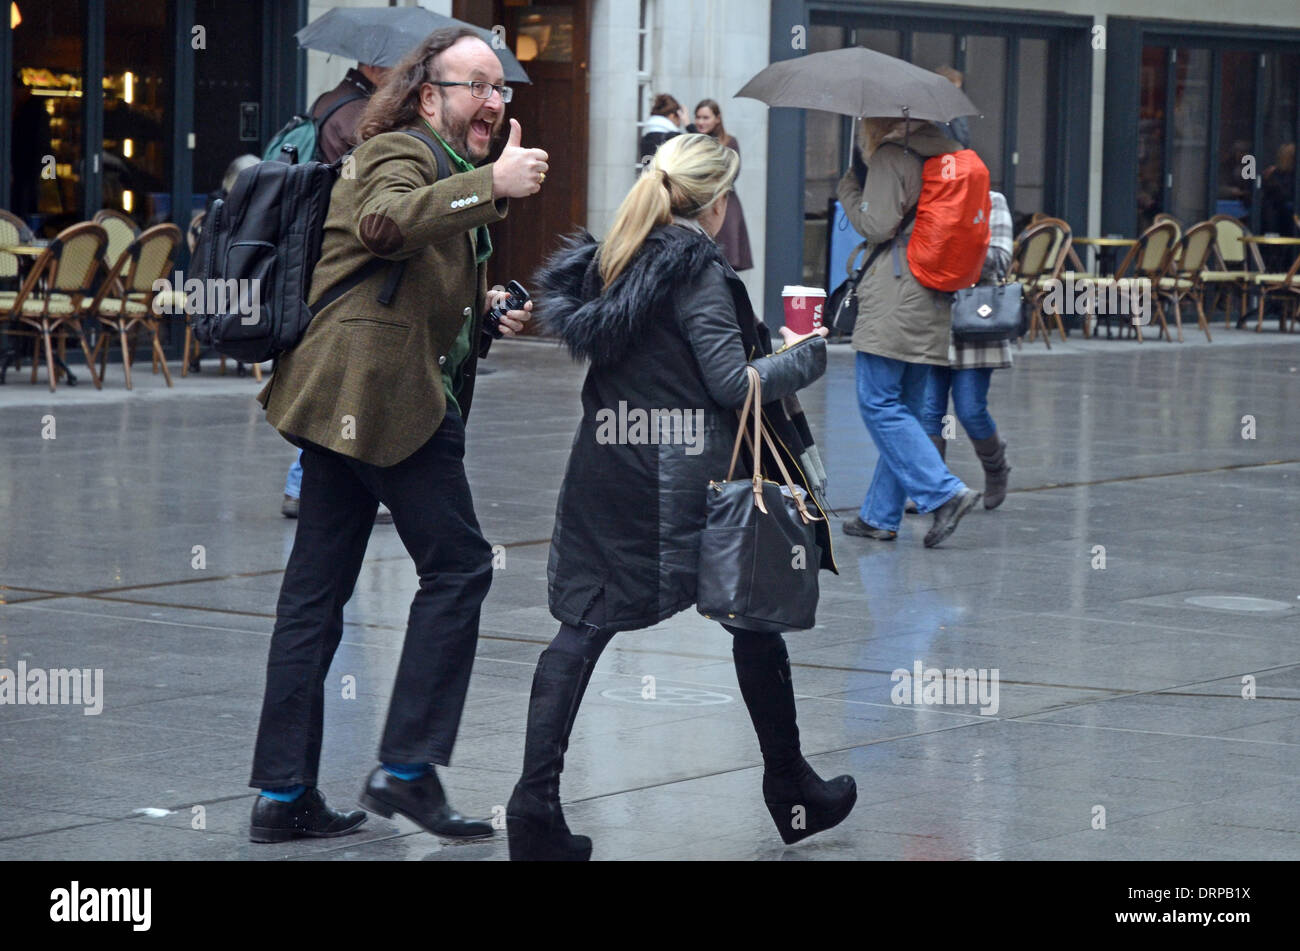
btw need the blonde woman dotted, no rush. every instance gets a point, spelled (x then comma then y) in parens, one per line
(665, 324)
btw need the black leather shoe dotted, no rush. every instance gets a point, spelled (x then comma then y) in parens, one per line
(949, 514)
(306, 816)
(862, 529)
(423, 802)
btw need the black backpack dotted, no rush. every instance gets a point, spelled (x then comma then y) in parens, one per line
(257, 252)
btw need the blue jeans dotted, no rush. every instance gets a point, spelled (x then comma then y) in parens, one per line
(891, 395)
(293, 481)
(970, 400)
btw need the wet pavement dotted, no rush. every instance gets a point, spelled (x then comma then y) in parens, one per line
(1134, 601)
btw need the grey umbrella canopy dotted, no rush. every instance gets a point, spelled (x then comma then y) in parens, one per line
(381, 36)
(859, 82)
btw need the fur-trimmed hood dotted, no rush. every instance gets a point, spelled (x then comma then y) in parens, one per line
(602, 327)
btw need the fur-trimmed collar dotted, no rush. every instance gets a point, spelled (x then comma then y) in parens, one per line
(602, 327)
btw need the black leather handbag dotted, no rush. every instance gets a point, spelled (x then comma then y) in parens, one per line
(842, 307)
(759, 556)
(988, 312)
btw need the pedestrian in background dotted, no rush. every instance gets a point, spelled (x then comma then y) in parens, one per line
(664, 322)
(734, 236)
(959, 128)
(665, 122)
(901, 332)
(970, 370)
(339, 111)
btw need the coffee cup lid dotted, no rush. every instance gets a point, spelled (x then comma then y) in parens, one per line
(798, 290)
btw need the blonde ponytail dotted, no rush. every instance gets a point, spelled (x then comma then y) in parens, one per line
(685, 177)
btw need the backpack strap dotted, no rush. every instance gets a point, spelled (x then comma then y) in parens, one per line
(394, 280)
(880, 248)
(439, 156)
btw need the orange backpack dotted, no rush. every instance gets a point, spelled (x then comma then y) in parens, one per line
(951, 236)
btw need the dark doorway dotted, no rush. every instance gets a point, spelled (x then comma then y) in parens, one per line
(550, 40)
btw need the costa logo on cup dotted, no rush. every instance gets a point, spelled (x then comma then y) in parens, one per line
(803, 307)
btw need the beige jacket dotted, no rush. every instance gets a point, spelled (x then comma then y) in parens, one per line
(897, 316)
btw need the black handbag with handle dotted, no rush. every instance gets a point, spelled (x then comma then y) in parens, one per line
(987, 312)
(841, 314)
(759, 556)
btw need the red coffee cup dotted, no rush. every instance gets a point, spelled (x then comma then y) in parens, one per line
(803, 307)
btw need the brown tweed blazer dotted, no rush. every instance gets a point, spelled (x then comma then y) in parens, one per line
(366, 380)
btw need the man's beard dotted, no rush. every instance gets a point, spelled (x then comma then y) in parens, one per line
(456, 134)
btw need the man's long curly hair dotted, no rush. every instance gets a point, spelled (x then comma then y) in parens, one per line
(396, 104)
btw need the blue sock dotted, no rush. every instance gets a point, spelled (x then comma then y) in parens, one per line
(284, 793)
(407, 771)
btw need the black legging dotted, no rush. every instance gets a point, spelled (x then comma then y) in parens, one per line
(588, 640)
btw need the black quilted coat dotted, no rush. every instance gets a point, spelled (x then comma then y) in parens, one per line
(674, 332)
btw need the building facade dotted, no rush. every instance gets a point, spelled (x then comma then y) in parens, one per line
(1103, 112)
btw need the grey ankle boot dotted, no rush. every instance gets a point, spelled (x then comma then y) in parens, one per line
(993, 457)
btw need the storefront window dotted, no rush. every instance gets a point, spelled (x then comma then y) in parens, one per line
(932, 50)
(1031, 128)
(136, 148)
(986, 84)
(1190, 149)
(1151, 136)
(825, 154)
(1277, 159)
(47, 149)
(1237, 161)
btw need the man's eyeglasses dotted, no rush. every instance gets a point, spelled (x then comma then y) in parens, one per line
(481, 90)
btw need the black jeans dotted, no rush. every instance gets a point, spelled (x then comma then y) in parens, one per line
(434, 516)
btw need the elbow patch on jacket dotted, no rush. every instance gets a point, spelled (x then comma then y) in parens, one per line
(381, 234)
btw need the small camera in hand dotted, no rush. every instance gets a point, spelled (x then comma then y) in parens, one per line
(518, 297)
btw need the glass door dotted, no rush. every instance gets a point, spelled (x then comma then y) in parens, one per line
(136, 152)
(48, 147)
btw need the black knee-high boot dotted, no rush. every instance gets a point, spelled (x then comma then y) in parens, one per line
(801, 802)
(534, 821)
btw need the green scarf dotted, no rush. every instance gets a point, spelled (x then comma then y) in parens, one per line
(482, 240)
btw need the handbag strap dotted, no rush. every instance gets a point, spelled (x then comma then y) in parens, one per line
(741, 434)
(754, 399)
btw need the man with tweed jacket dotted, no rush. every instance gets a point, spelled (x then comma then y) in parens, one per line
(376, 395)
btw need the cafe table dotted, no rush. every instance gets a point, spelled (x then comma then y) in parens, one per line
(1272, 241)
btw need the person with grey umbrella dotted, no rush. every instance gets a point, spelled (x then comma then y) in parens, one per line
(902, 330)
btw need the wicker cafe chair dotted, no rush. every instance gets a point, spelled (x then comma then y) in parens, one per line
(1236, 264)
(1178, 225)
(1145, 261)
(1288, 283)
(13, 230)
(49, 302)
(121, 230)
(1036, 262)
(1184, 274)
(125, 303)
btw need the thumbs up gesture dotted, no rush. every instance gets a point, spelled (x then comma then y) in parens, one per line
(519, 171)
